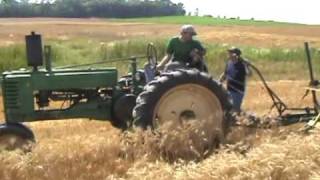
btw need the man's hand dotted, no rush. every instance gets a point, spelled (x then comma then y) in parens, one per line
(159, 67)
(196, 56)
(222, 78)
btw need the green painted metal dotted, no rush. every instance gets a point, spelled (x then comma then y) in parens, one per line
(134, 72)
(47, 55)
(69, 92)
(20, 88)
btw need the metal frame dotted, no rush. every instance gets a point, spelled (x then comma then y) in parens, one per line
(290, 115)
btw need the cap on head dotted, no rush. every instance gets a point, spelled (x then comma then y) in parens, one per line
(189, 29)
(235, 50)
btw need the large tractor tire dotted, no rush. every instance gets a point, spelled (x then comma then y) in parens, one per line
(181, 96)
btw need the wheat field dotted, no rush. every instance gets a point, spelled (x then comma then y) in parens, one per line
(64, 29)
(82, 149)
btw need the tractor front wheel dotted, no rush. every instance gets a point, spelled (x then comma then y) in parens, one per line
(15, 136)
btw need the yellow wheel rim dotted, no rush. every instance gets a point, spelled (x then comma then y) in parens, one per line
(188, 102)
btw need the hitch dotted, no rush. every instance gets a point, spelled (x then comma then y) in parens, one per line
(289, 115)
(312, 123)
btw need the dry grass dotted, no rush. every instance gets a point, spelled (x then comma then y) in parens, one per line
(82, 149)
(12, 31)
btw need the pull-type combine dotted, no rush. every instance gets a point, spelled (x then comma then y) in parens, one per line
(175, 97)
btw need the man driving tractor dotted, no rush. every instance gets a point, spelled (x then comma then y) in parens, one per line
(184, 51)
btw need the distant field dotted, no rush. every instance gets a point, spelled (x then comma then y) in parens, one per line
(207, 21)
(12, 31)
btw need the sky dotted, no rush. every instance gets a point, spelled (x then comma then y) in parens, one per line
(298, 11)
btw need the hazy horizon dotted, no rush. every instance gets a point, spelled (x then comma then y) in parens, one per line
(295, 11)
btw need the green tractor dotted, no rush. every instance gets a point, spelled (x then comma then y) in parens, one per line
(38, 94)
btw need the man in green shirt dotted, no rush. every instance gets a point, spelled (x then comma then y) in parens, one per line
(185, 51)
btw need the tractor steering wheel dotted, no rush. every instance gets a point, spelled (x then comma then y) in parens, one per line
(152, 55)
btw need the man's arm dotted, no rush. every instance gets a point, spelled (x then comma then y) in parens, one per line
(240, 73)
(164, 61)
(168, 56)
(201, 49)
(247, 67)
(202, 52)
(197, 54)
(223, 76)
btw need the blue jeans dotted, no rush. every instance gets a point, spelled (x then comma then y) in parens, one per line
(149, 72)
(237, 98)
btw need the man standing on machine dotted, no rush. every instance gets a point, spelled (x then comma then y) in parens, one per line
(184, 51)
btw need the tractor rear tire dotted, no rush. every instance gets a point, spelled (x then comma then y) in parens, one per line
(182, 95)
(15, 136)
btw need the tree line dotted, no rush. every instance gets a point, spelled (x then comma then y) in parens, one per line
(90, 8)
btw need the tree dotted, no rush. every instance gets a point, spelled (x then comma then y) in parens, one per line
(196, 13)
(8, 1)
(90, 8)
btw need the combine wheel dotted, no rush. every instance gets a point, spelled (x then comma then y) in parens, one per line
(15, 136)
(183, 96)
